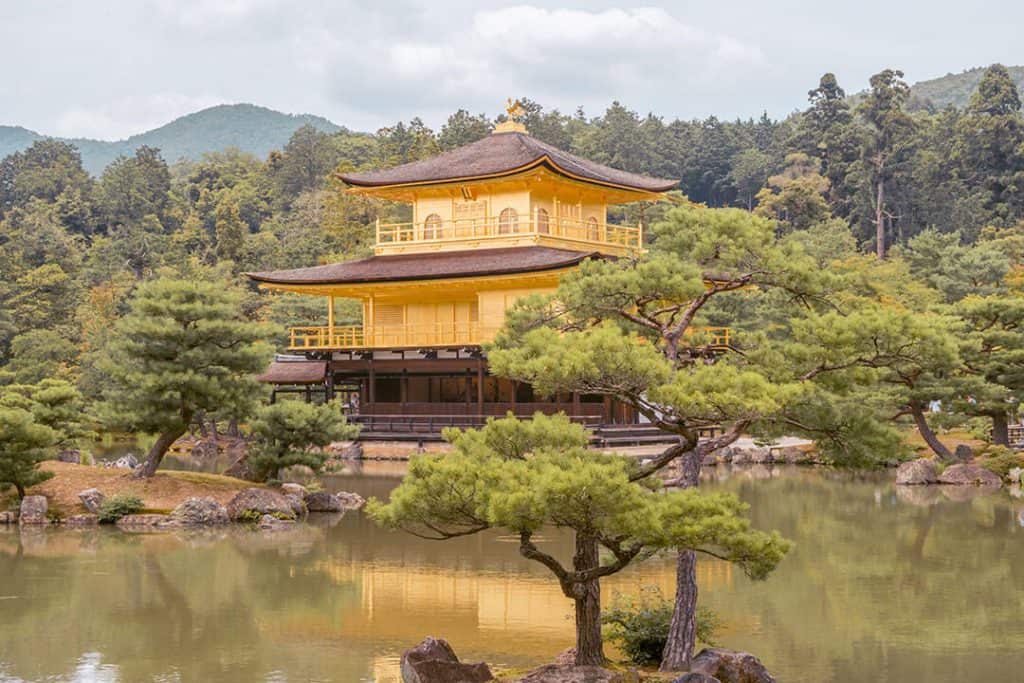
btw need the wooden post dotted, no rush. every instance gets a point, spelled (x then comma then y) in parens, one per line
(403, 389)
(575, 403)
(371, 389)
(480, 386)
(330, 321)
(329, 385)
(469, 388)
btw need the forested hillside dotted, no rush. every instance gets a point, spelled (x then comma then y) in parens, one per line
(955, 89)
(252, 129)
(942, 191)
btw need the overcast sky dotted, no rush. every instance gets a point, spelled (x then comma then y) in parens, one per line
(110, 68)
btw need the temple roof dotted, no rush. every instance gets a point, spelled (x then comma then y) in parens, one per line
(294, 372)
(429, 266)
(501, 154)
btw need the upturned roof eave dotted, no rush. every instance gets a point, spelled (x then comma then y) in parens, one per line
(357, 185)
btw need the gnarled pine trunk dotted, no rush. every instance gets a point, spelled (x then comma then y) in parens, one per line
(1000, 430)
(156, 453)
(589, 645)
(939, 448)
(682, 632)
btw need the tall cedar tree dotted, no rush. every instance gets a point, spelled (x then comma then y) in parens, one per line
(183, 347)
(523, 476)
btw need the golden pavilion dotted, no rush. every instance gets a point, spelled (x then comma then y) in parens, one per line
(492, 221)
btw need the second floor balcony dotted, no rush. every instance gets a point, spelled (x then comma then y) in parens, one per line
(508, 229)
(438, 335)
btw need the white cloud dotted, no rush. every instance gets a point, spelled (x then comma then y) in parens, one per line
(559, 57)
(126, 116)
(204, 14)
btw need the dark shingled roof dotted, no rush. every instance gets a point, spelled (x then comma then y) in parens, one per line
(501, 154)
(295, 372)
(429, 266)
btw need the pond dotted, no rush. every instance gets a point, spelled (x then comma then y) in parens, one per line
(882, 585)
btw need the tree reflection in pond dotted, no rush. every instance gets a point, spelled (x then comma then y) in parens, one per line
(883, 584)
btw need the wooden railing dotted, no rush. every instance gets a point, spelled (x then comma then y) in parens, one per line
(438, 334)
(582, 231)
(399, 336)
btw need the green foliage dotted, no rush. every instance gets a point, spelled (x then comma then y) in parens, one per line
(116, 507)
(24, 443)
(54, 403)
(184, 347)
(293, 433)
(640, 626)
(1001, 460)
(522, 476)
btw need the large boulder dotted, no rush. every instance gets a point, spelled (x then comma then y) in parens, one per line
(290, 488)
(966, 474)
(204, 511)
(321, 501)
(92, 499)
(434, 661)
(251, 504)
(917, 472)
(567, 673)
(33, 511)
(350, 501)
(298, 505)
(75, 457)
(729, 666)
(696, 678)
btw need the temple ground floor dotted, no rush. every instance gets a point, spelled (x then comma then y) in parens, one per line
(419, 394)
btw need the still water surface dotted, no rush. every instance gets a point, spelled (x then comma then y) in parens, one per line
(884, 585)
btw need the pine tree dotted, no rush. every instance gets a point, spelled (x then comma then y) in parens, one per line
(184, 347)
(24, 443)
(293, 433)
(523, 476)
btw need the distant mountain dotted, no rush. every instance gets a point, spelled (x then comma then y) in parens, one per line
(956, 89)
(252, 129)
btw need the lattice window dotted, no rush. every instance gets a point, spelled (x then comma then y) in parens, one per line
(432, 227)
(543, 225)
(508, 221)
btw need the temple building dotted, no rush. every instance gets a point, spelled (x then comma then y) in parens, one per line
(493, 221)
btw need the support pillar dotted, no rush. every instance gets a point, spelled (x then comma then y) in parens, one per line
(371, 381)
(480, 386)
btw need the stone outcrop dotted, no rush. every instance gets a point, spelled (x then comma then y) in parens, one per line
(203, 511)
(293, 489)
(967, 474)
(81, 521)
(917, 472)
(76, 457)
(125, 462)
(205, 450)
(33, 511)
(350, 501)
(434, 661)
(730, 666)
(92, 499)
(240, 469)
(321, 501)
(298, 505)
(251, 504)
(696, 678)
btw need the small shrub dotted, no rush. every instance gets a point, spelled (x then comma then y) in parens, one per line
(639, 627)
(1000, 460)
(116, 507)
(250, 516)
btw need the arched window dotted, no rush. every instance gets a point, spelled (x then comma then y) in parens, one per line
(508, 221)
(593, 233)
(432, 227)
(542, 221)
